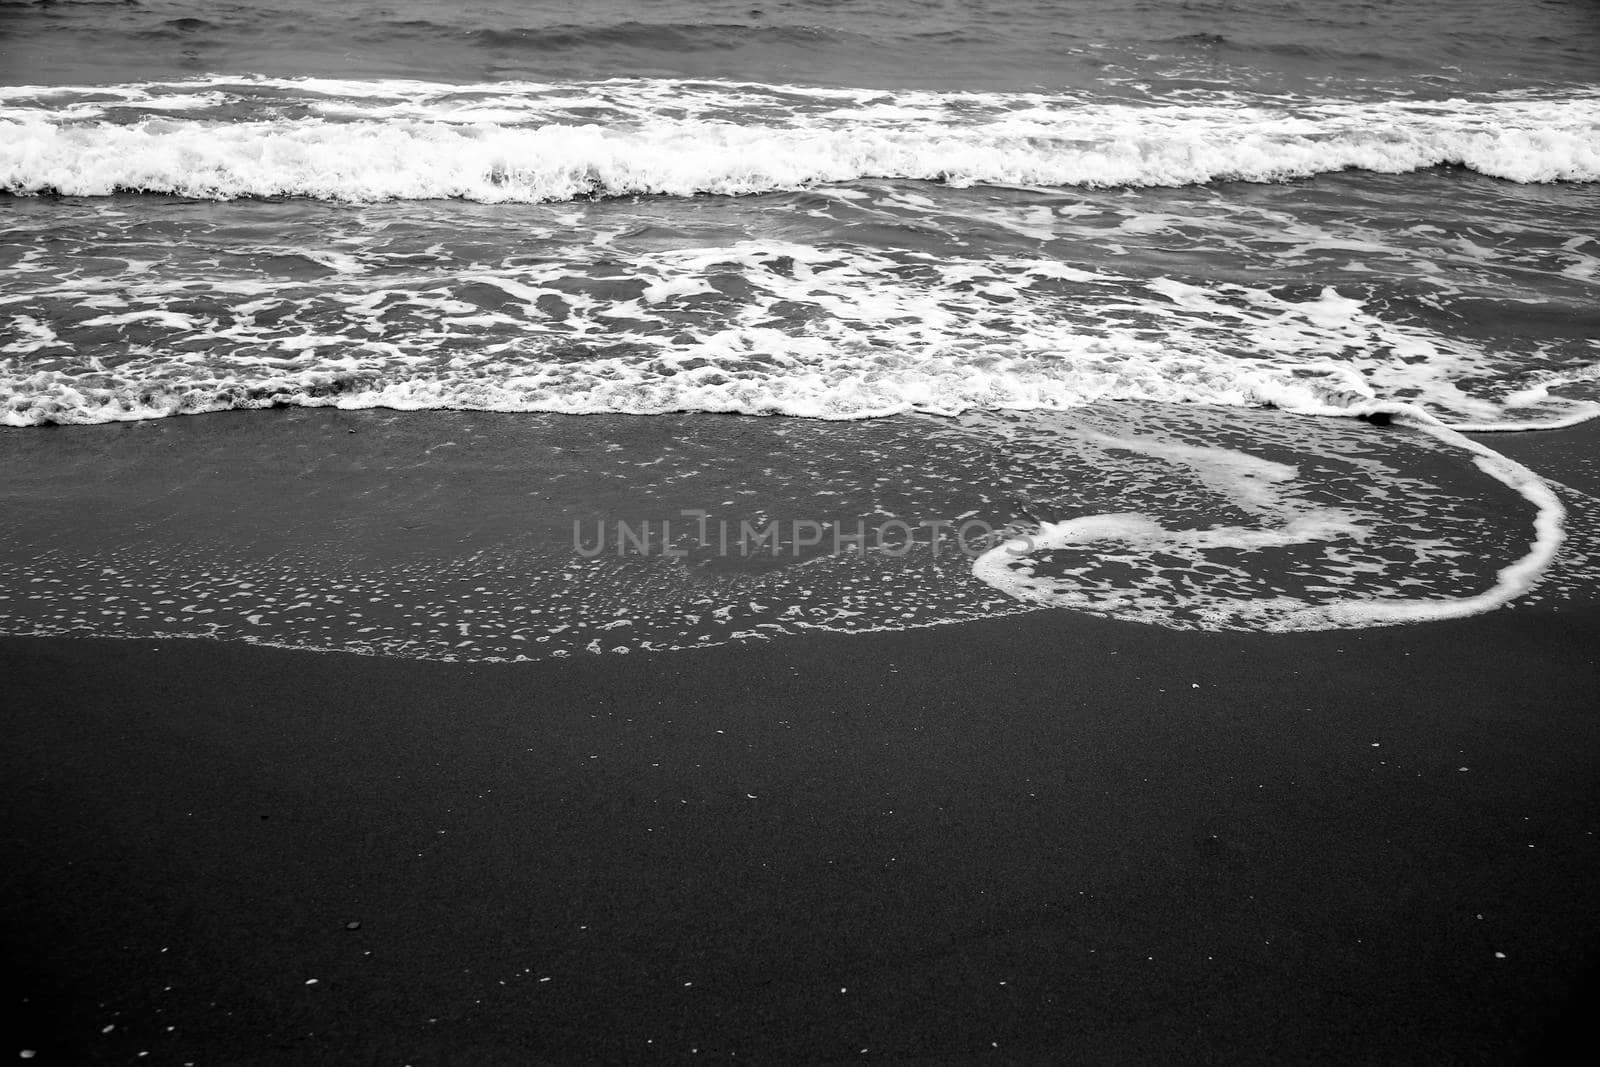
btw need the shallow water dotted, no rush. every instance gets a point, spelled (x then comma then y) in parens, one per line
(467, 536)
(1006, 238)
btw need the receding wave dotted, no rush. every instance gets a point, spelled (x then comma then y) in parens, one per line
(758, 328)
(528, 143)
(1188, 518)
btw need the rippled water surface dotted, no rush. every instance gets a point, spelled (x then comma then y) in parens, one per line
(1193, 297)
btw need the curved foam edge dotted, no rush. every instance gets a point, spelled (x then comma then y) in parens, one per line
(1511, 581)
(1539, 392)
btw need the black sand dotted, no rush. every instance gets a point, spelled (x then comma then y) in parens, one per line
(1046, 839)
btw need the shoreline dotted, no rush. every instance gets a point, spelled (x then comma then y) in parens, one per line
(1164, 845)
(1047, 838)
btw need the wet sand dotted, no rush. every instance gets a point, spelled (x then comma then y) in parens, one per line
(1045, 839)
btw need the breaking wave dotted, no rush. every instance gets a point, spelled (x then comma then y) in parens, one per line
(523, 142)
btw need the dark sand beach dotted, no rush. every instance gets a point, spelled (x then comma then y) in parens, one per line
(1042, 839)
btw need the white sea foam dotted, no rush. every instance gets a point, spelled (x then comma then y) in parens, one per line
(529, 143)
(1219, 560)
(1279, 523)
(1332, 525)
(832, 333)
(828, 330)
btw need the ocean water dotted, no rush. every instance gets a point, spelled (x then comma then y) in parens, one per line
(1170, 312)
